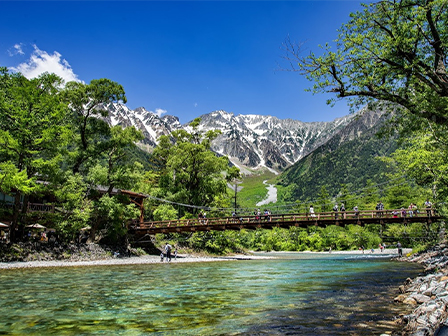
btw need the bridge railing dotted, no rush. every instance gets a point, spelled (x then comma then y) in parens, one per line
(292, 217)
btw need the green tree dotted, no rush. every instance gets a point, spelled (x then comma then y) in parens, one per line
(424, 159)
(114, 170)
(391, 51)
(233, 174)
(190, 172)
(393, 54)
(32, 131)
(86, 102)
(77, 207)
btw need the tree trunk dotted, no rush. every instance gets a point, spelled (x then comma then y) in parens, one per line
(15, 217)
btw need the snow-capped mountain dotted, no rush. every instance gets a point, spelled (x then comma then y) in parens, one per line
(257, 141)
(149, 123)
(251, 141)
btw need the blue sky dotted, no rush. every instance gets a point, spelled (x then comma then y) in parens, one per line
(182, 58)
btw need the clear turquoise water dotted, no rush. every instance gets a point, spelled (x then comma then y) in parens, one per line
(295, 295)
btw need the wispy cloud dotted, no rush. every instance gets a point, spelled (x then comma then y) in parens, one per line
(159, 112)
(16, 50)
(40, 61)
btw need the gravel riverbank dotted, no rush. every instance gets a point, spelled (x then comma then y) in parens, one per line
(134, 260)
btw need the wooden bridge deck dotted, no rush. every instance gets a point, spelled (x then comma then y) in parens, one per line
(281, 220)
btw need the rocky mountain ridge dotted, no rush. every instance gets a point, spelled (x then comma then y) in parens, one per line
(250, 141)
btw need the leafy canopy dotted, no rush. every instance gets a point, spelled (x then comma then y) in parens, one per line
(393, 51)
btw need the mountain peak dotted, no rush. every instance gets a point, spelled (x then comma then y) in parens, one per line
(248, 140)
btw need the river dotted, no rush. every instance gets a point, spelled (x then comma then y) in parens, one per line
(296, 294)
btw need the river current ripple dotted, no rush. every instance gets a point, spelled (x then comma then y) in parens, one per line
(297, 294)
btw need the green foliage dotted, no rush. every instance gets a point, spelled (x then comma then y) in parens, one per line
(11, 178)
(424, 159)
(85, 105)
(112, 215)
(391, 51)
(76, 207)
(32, 131)
(393, 55)
(189, 172)
(164, 212)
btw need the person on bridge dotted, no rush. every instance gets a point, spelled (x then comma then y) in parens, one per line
(428, 206)
(355, 209)
(257, 214)
(312, 214)
(379, 207)
(411, 210)
(342, 209)
(336, 209)
(267, 215)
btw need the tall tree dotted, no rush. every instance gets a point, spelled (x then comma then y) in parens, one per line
(392, 51)
(32, 117)
(86, 101)
(191, 173)
(114, 170)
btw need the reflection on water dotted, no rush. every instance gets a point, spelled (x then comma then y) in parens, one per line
(298, 295)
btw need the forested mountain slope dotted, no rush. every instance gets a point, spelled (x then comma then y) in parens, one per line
(349, 157)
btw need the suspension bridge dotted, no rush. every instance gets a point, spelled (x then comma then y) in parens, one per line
(253, 222)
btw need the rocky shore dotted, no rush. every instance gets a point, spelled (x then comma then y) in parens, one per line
(427, 294)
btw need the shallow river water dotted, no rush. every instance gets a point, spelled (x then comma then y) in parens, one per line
(297, 294)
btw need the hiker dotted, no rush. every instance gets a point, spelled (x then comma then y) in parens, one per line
(168, 248)
(342, 209)
(335, 209)
(312, 214)
(428, 206)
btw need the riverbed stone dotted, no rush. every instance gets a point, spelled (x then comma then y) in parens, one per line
(420, 298)
(400, 298)
(410, 301)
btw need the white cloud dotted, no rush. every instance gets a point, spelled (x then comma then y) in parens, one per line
(17, 49)
(159, 112)
(195, 104)
(41, 61)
